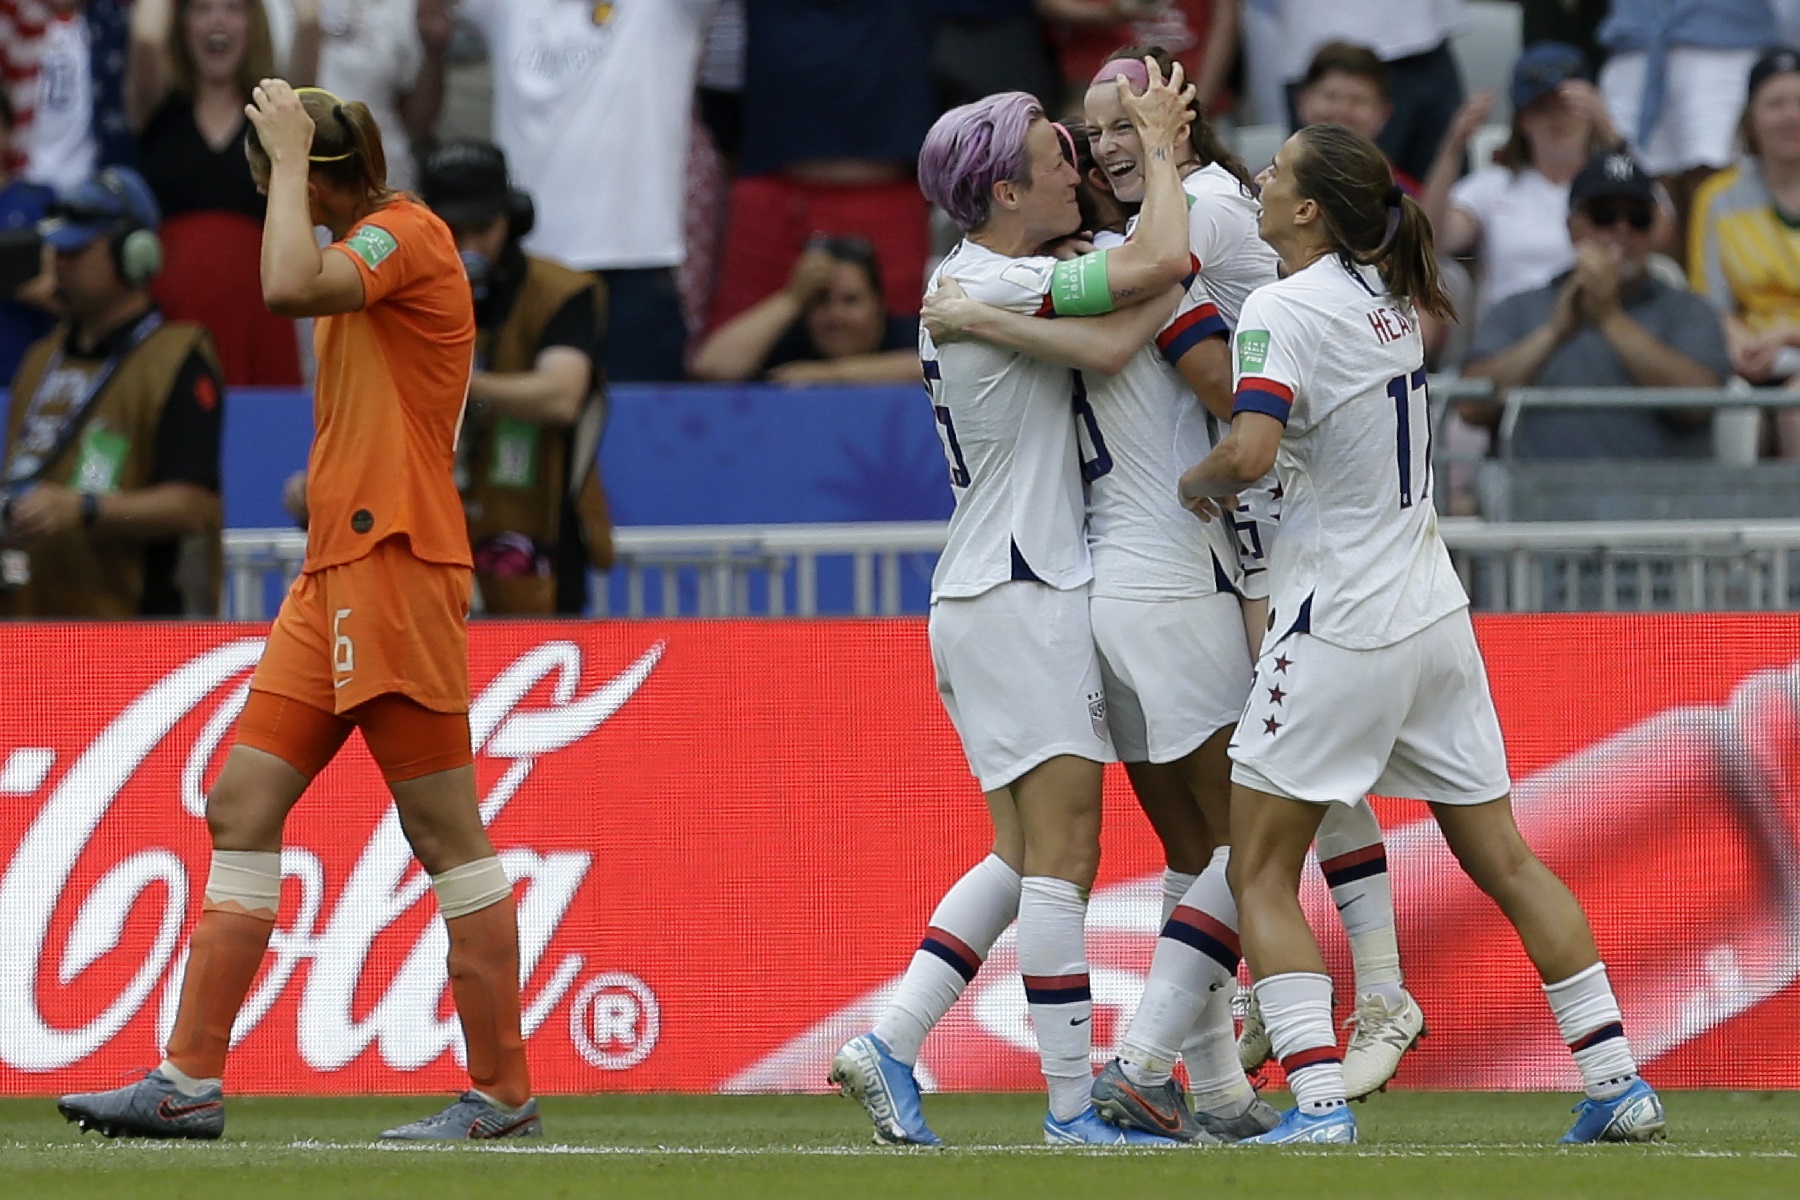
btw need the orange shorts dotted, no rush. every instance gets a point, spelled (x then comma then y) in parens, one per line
(406, 740)
(385, 624)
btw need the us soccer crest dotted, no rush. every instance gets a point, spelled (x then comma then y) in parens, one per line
(1097, 713)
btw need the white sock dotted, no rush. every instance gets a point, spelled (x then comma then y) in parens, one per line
(1053, 961)
(1196, 960)
(1354, 863)
(184, 1083)
(973, 913)
(1175, 885)
(1297, 1009)
(1587, 1016)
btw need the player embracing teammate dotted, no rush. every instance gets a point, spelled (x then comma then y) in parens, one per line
(1168, 649)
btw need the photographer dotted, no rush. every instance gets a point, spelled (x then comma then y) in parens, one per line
(537, 404)
(109, 502)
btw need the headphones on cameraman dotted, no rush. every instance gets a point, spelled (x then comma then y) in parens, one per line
(137, 251)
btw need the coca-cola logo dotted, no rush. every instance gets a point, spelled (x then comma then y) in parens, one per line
(335, 922)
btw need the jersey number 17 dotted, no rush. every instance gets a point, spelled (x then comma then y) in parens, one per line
(1407, 391)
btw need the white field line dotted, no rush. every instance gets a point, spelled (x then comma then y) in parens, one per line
(1379, 1150)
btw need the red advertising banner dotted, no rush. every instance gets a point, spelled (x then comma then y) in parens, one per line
(726, 837)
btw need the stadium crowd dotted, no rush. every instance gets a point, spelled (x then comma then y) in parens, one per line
(750, 208)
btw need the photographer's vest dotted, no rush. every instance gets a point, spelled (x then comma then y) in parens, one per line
(518, 472)
(81, 572)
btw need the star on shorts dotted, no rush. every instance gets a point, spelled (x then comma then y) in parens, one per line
(1270, 725)
(1276, 695)
(1283, 663)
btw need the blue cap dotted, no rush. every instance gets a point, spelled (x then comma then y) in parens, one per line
(116, 200)
(1544, 67)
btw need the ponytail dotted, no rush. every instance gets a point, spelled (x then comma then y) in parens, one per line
(1408, 263)
(1368, 220)
(346, 150)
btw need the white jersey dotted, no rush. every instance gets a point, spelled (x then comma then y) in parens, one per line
(1007, 423)
(1359, 563)
(1147, 428)
(1234, 260)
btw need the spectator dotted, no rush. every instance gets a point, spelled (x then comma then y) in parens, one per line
(1347, 84)
(981, 47)
(193, 66)
(1744, 254)
(1513, 212)
(1608, 322)
(1413, 38)
(64, 61)
(837, 98)
(828, 325)
(1202, 35)
(390, 55)
(25, 315)
(592, 105)
(537, 403)
(1673, 81)
(112, 468)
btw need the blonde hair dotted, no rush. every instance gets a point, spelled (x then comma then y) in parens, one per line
(259, 53)
(346, 147)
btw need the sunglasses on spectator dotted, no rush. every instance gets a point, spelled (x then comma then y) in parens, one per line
(1606, 214)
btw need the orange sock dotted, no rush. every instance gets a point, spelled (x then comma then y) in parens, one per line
(484, 980)
(226, 950)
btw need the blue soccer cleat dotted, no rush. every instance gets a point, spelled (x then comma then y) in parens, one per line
(1086, 1128)
(1335, 1128)
(1634, 1115)
(153, 1107)
(866, 1072)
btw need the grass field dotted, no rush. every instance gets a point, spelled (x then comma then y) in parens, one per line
(646, 1147)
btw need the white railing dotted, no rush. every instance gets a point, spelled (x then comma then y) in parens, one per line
(775, 570)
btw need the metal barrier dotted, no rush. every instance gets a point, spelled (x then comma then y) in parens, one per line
(775, 570)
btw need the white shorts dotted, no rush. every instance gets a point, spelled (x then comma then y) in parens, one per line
(1176, 671)
(1414, 719)
(1018, 674)
(1703, 100)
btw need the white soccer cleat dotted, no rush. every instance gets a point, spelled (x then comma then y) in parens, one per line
(1380, 1035)
(1253, 1045)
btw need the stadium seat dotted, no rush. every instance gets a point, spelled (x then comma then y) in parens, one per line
(1486, 143)
(1486, 48)
(1257, 144)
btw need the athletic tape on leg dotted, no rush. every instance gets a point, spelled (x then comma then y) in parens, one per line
(471, 887)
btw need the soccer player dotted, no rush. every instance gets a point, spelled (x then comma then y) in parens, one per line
(372, 634)
(1371, 678)
(1233, 262)
(1010, 638)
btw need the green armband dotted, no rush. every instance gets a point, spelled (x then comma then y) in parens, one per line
(1078, 287)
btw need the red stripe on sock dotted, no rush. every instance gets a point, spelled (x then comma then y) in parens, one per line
(1208, 924)
(955, 944)
(1355, 858)
(1299, 1060)
(1050, 982)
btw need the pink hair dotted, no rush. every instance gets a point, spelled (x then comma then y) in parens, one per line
(1135, 73)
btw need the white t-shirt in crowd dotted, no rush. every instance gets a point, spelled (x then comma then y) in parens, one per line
(1524, 221)
(1008, 427)
(1360, 563)
(370, 51)
(592, 104)
(63, 151)
(1391, 28)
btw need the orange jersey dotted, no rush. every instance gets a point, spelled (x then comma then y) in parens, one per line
(392, 382)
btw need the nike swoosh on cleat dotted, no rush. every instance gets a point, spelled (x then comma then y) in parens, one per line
(1171, 1124)
(170, 1111)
